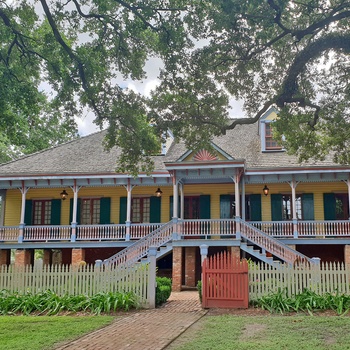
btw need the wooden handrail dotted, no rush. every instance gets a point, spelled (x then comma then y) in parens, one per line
(139, 249)
(271, 244)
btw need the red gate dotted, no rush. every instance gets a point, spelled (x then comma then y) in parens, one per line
(225, 282)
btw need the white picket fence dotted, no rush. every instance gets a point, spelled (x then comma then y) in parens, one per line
(72, 280)
(322, 278)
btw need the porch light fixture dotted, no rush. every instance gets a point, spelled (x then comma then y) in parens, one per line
(159, 192)
(266, 190)
(64, 194)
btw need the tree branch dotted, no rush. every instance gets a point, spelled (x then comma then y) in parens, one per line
(75, 58)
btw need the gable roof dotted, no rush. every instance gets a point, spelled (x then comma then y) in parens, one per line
(86, 155)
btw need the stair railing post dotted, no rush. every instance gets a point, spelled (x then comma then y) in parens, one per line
(152, 284)
(295, 228)
(176, 235)
(238, 227)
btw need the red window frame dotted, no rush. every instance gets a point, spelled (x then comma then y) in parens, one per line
(93, 209)
(270, 143)
(191, 207)
(42, 212)
(140, 210)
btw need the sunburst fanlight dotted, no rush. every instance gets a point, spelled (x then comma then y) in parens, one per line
(204, 155)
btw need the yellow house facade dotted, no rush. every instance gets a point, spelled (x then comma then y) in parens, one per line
(245, 195)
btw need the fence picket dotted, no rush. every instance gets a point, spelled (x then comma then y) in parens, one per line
(323, 278)
(66, 279)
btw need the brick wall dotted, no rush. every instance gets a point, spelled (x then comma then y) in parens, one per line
(24, 257)
(347, 255)
(78, 255)
(177, 269)
(190, 266)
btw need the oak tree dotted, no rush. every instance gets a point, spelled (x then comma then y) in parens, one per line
(293, 55)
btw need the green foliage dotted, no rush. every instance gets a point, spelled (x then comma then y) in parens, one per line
(199, 288)
(49, 303)
(290, 54)
(307, 301)
(163, 290)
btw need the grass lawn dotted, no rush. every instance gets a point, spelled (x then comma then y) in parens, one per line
(42, 332)
(266, 332)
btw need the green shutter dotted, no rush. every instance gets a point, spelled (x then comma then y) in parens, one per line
(276, 207)
(171, 206)
(55, 212)
(225, 206)
(204, 207)
(122, 210)
(71, 210)
(155, 206)
(329, 206)
(28, 214)
(307, 206)
(255, 207)
(105, 210)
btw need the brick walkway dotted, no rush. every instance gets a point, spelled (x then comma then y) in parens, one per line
(147, 329)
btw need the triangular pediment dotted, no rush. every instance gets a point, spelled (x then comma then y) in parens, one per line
(204, 155)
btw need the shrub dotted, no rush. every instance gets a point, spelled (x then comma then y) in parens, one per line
(199, 288)
(163, 290)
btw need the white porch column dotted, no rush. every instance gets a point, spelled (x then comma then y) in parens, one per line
(75, 190)
(236, 180)
(348, 183)
(175, 197)
(129, 188)
(24, 191)
(293, 184)
(243, 198)
(182, 201)
(175, 207)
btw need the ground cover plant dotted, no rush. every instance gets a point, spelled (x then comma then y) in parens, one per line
(49, 303)
(163, 290)
(272, 332)
(307, 301)
(41, 333)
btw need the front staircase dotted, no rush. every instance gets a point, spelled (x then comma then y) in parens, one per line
(251, 238)
(266, 243)
(161, 237)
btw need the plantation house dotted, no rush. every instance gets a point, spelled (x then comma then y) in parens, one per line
(245, 195)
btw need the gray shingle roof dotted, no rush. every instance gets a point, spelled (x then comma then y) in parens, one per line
(87, 156)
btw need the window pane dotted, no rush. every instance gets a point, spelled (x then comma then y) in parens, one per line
(90, 211)
(95, 217)
(42, 212)
(146, 210)
(136, 210)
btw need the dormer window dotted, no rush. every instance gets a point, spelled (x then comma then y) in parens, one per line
(270, 143)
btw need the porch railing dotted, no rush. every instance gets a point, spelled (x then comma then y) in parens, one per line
(311, 228)
(47, 233)
(323, 228)
(138, 231)
(207, 227)
(100, 232)
(270, 244)
(9, 233)
(274, 228)
(201, 228)
(140, 248)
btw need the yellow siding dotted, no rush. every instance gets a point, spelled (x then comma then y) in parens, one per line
(12, 208)
(271, 116)
(13, 198)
